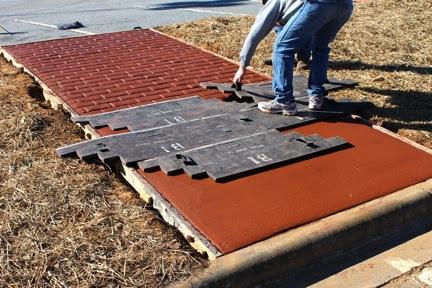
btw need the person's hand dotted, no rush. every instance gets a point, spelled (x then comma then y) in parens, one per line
(238, 77)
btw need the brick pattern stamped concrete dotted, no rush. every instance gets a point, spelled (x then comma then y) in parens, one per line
(107, 72)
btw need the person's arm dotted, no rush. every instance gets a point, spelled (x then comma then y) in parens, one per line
(264, 22)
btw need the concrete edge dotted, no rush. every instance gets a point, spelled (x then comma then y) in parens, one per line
(403, 139)
(168, 212)
(392, 134)
(286, 253)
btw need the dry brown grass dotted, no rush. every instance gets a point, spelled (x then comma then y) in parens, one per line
(386, 47)
(69, 223)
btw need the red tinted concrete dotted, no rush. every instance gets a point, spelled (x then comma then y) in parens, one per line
(113, 71)
(106, 131)
(107, 72)
(244, 211)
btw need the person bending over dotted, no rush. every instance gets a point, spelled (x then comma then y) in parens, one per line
(319, 20)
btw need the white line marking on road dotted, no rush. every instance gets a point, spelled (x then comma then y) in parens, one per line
(145, 6)
(52, 26)
(193, 10)
(34, 23)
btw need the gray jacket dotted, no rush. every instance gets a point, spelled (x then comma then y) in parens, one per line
(275, 11)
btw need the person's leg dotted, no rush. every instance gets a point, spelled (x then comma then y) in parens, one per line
(283, 57)
(340, 13)
(304, 55)
(295, 34)
(311, 17)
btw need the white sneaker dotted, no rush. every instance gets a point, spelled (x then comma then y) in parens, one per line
(315, 102)
(289, 109)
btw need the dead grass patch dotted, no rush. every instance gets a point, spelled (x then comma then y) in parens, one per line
(386, 47)
(69, 223)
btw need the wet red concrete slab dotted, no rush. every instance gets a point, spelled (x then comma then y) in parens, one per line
(112, 71)
(107, 72)
(244, 211)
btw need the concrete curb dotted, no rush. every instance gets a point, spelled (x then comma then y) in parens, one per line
(323, 239)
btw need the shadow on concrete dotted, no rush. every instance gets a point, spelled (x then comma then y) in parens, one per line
(197, 4)
(358, 65)
(329, 268)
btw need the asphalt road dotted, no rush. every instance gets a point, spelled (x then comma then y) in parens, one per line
(29, 21)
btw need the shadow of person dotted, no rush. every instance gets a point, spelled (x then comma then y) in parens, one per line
(411, 109)
(197, 4)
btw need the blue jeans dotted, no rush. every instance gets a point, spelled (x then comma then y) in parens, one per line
(315, 20)
(303, 53)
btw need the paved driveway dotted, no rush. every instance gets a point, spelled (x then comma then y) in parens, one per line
(30, 21)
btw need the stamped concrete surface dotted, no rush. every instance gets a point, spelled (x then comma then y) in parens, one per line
(107, 72)
(112, 71)
(270, 202)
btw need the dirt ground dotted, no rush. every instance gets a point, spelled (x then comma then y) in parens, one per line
(68, 223)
